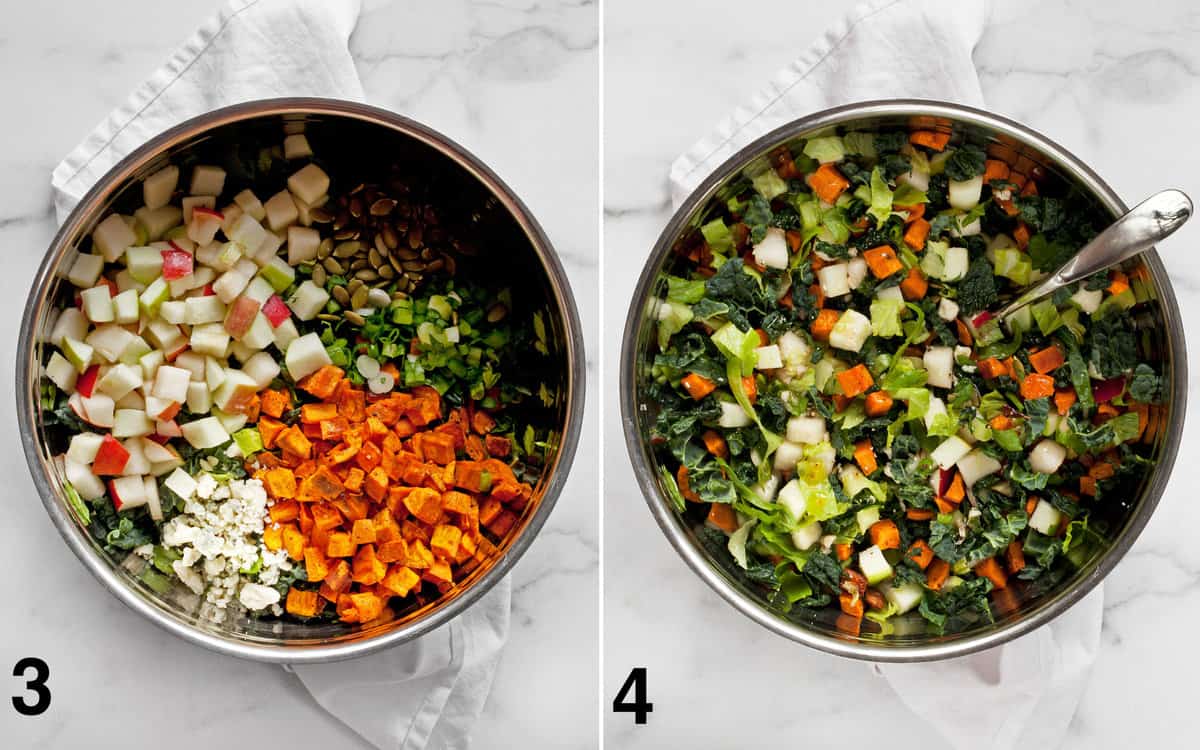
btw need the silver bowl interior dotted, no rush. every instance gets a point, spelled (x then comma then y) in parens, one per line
(1025, 606)
(505, 246)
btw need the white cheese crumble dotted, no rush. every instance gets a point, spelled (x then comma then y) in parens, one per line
(219, 535)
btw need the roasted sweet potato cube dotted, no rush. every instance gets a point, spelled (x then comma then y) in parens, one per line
(284, 510)
(367, 568)
(445, 540)
(455, 431)
(499, 471)
(419, 556)
(316, 413)
(312, 431)
(436, 447)
(316, 565)
(488, 510)
(305, 520)
(269, 430)
(474, 448)
(497, 447)
(319, 538)
(345, 450)
(502, 523)
(323, 382)
(325, 516)
(338, 577)
(505, 491)
(354, 480)
(280, 483)
(352, 404)
(482, 422)
(393, 551)
(325, 483)
(273, 537)
(333, 429)
(386, 410)
(426, 405)
(302, 603)
(376, 429)
(275, 403)
(363, 531)
(340, 545)
(400, 580)
(293, 542)
(293, 441)
(459, 502)
(346, 610)
(438, 572)
(466, 549)
(354, 507)
(368, 605)
(376, 484)
(425, 504)
(369, 456)
(305, 469)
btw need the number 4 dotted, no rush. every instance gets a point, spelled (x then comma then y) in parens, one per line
(639, 707)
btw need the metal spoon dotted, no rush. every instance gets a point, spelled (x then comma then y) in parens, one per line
(1148, 222)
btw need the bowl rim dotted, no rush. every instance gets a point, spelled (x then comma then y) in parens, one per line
(672, 525)
(119, 174)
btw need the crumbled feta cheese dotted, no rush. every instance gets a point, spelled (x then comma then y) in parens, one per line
(255, 596)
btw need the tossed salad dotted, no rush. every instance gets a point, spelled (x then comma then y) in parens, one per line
(847, 424)
(296, 404)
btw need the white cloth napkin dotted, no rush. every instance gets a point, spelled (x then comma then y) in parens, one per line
(922, 49)
(423, 694)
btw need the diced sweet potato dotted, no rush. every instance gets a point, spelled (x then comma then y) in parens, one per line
(363, 532)
(275, 403)
(366, 568)
(445, 540)
(323, 382)
(302, 603)
(498, 447)
(269, 430)
(280, 483)
(338, 577)
(293, 542)
(284, 510)
(354, 480)
(340, 545)
(438, 572)
(314, 413)
(376, 484)
(325, 516)
(367, 605)
(400, 580)
(393, 551)
(436, 447)
(503, 523)
(369, 456)
(293, 441)
(425, 504)
(316, 565)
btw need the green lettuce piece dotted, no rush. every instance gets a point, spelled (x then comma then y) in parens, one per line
(672, 317)
(907, 195)
(737, 542)
(685, 291)
(885, 317)
(718, 236)
(860, 144)
(769, 184)
(1124, 427)
(1047, 317)
(828, 148)
(881, 198)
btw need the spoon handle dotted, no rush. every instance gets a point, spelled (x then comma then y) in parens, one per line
(1136, 232)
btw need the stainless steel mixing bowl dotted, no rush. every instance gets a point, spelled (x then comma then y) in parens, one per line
(1161, 339)
(517, 249)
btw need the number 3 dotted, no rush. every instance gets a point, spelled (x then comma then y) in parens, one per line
(36, 685)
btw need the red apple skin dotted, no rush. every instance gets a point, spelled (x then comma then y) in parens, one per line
(241, 316)
(208, 290)
(276, 310)
(177, 264)
(111, 458)
(208, 211)
(112, 492)
(184, 345)
(167, 414)
(86, 385)
(167, 428)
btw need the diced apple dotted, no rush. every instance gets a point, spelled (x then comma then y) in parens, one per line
(204, 225)
(85, 270)
(950, 451)
(152, 502)
(939, 364)
(61, 372)
(192, 202)
(84, 446)
(236, 392)
(132, 400)
(138, 463)
(230, 285)
(281, 211)
(112, 237)
(873, 565)
(285, 334)
(173, 311)
(176, 263)
(834, 280)
(231, 422)
(71, 323)
(127, 492)
(169, 428)
(110, 341)
(155, 294)
(851, 331)
(269, 247)
(158, 188)
(306, 209)
(97, 304)
(240, 315)
(201, 310)
(1045, 519)
(214, 373)
(308, 300)
(182, 484)
(131, 423)
(199, 398)
(193, 362)
(302, 244)
(158, 221)
(309, 183)
(145, 264)
(249, 203)
(278, 273)
(111, 457)
(260, 335)
(207, 180)
(125, 307)
(277, 312)
(228, 256)
(248, 233)
(296, 146)
(210, 338)
(259, 290)
(305, 356)
(204, 433)
(171, 383)
(976, 465)
(162, 334)
(161, 410)
(120, 380)
(88, 485)
(77, 353)
(150, 362)
(86, 385)
(262, 369)
(772, 252)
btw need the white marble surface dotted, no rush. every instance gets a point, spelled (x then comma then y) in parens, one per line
(514, 81)
(1111, 81)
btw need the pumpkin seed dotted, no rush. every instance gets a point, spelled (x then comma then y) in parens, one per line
(347, 249)
(354, 286)
(345, 234)
(374, 256)
(326, 316)
(390, 238)
(405, 254)
(496, 313)
(382, 207)
(325, 248)
(399, 295)
(414, 265)
(321, 215)
(354, 318)
(397, 264)
(381, 246)
(414, 236)
(387, 272)
(367, 274)
(341, 294)
(427, 254)
(436, 265)
(359, 298)
(378, 298)
(359, 264)
(356, 207)
(335, 268)
(318, 275)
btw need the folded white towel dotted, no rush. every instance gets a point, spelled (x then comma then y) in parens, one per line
(886, 49)
(427, 693)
